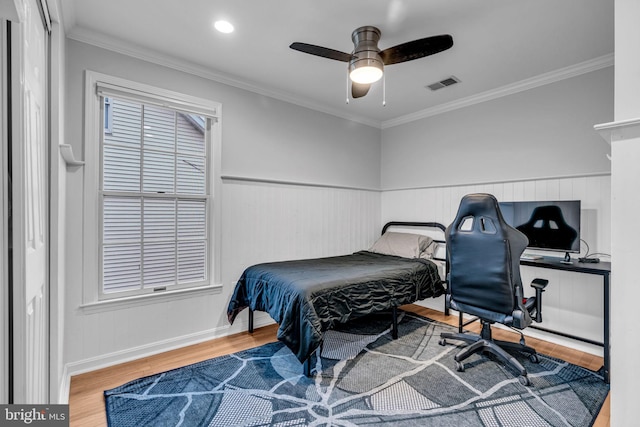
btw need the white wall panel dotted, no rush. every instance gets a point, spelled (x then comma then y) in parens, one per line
(272, 222)
(261, 222)
(441, 203)
(573, 303)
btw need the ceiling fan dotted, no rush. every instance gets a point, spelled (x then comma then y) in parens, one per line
(367, 61)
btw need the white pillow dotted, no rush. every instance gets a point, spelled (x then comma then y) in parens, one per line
(406, 245)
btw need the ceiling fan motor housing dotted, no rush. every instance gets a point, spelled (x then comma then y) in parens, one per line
(366, 52)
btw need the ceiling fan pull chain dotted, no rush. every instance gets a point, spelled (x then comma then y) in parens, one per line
(347, 87)
(384, 90)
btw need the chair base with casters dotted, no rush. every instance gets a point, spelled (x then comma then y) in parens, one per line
(484, 343)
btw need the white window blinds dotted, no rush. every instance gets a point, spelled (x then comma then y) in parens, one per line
(155, 195)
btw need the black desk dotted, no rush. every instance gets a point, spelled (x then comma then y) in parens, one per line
(602, 269)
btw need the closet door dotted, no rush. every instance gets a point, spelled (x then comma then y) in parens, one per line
(30, 205)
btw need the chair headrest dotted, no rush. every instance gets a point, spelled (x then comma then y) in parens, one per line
(480, 206)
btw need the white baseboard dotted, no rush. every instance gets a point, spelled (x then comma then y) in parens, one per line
(115, 358)
(127, 355)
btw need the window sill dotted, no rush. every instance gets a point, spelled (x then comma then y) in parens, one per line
(138, 300)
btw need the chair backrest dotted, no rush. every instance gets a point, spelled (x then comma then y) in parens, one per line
(484, 256)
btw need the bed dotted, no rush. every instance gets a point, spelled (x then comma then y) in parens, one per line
(308, 297)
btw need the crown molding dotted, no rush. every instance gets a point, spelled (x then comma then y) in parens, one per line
(534, 82)
(125, 48)
(119, 46)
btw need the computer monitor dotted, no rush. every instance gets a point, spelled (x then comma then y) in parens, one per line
(549, 225)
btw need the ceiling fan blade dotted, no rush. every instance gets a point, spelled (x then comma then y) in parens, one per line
(358, 90)
(324, 52)
(416, 49)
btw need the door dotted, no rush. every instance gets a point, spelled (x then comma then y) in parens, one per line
(30, 208)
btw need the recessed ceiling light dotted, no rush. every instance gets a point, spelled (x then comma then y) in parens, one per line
(223, 26)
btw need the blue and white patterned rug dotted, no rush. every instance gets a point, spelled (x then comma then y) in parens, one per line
(363, 378)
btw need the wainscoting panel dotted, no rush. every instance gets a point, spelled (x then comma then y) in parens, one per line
(264, 222)
(261, 222)
(573, 303)
(272, 222)
(441, 203)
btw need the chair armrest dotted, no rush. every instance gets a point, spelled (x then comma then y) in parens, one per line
(539, 285)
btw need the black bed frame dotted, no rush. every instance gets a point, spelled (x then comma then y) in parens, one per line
(394, 310)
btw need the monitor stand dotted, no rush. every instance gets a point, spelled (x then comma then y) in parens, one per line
(567, 259)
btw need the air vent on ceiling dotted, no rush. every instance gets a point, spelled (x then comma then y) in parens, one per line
(444, 83)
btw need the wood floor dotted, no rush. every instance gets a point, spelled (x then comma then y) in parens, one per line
(86, 403)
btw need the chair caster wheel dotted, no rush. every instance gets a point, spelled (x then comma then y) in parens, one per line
(442, 341)
(524, 380)
(534, 358)
(459, 366)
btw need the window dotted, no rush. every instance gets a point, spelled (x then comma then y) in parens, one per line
(153, 190)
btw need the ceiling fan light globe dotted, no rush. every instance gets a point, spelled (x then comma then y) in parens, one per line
(365, 68)
(365, 75)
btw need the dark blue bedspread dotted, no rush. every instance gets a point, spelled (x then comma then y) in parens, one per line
(307, 297)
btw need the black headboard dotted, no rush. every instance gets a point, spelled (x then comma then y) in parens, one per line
(420, 225)
(413, 224)
(432, 225)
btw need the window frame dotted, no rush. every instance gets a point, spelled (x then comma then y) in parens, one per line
(97, 86)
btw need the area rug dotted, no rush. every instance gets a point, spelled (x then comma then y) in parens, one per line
(362, 377)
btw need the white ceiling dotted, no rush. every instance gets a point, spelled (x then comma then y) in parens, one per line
(498, 44)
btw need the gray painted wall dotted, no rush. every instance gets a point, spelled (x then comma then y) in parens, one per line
(266, 138)
(261, 137)
(538, 133)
